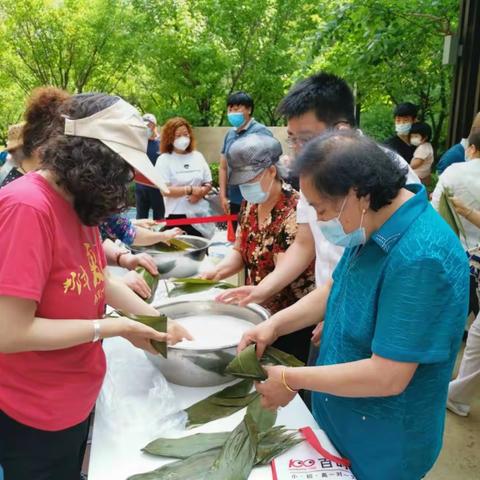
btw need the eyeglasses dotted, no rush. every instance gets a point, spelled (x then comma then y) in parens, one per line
(298, 141)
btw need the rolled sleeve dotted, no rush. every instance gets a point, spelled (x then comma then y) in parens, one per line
(415, 322)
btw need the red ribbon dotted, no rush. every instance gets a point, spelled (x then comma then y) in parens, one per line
(312, 439)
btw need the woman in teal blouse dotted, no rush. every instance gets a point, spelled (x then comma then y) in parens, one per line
(394, 312)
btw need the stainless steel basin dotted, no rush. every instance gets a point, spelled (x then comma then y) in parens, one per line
(202, 367)
(178, 264)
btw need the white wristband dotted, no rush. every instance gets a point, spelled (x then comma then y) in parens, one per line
(96, 330)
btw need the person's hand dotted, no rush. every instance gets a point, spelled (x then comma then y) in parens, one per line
(243, 295)
(177, 333)
(131, 261)
(167, 235)
(273, 392)
(263, 335)
(145, 223)
(317, 334)
(194, 198)
(225, 204)
(140, 335)
(135, 282)
(460, 207)
(211, 273)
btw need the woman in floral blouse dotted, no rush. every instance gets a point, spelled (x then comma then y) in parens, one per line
(266, 228)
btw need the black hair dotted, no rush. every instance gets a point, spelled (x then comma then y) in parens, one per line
(340, 160)
(423, 129)
(95, 176)
(327, 95)
(474, 138)
(240, 98)
(405, 109)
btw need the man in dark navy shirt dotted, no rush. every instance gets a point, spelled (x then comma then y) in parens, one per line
(146, 194)
(405, 115)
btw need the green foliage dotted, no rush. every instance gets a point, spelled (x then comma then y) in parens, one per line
(179, 57)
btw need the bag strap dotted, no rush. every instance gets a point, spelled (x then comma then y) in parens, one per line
(314, 442)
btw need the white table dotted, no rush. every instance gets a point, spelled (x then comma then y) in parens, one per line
(115, 454)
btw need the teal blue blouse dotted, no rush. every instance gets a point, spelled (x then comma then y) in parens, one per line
(402, 296)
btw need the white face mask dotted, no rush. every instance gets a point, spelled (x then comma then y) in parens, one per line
(181, 143)
(415, 140)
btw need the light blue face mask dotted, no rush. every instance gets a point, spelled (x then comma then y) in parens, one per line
(333, 231)
(403, 128)
(253, 192)
(236, 119)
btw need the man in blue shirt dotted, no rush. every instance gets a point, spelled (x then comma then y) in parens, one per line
(239, 112)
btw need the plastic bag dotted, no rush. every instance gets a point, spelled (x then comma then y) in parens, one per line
(206, 229)
(136, 400)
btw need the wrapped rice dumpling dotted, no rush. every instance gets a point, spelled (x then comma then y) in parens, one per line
(151, 280)
(247, 365)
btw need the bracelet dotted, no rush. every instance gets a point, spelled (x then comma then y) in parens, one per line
(96, 330)
(119, 255)
(191, 190)
(285, 384)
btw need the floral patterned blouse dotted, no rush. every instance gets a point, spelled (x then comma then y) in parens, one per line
(260, 245)
(118, 227)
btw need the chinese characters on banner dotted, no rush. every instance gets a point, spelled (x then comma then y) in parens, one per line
(303, 462)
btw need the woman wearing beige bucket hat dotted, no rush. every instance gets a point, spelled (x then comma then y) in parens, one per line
(53, 286)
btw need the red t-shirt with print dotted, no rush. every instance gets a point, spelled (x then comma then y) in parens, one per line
(48, 256)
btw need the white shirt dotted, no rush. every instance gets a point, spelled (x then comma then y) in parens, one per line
(327, 254)
(425, 153)
(181, 170)
(463, 181)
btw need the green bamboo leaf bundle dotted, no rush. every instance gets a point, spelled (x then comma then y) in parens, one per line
(195, 467)
(264, 419)
(237, 457)
(158, 323)
(207, 410)
(186, 286)
(185, 447)
(275, 356)
(274, 442)
(271, 443)
(173, 245)
(247, 365)
(151, 280)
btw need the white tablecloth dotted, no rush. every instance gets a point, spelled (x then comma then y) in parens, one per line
(116, 455)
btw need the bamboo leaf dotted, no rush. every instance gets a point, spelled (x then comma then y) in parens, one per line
(264, 419)
(246, 365)
(235, 402)
(206, 411)
(185, 447)
(195, 467)
(200, 281)
(151, 280)
(278, 357)
(237, 457)
(158, 323)
(239, 389)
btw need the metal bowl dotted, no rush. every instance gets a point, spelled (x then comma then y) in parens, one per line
(178, 264)
(202, 367)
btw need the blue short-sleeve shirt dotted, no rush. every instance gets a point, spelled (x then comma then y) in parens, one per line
(402, 296)
(234, 134)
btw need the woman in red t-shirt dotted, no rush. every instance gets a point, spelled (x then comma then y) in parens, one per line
(54, 287)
